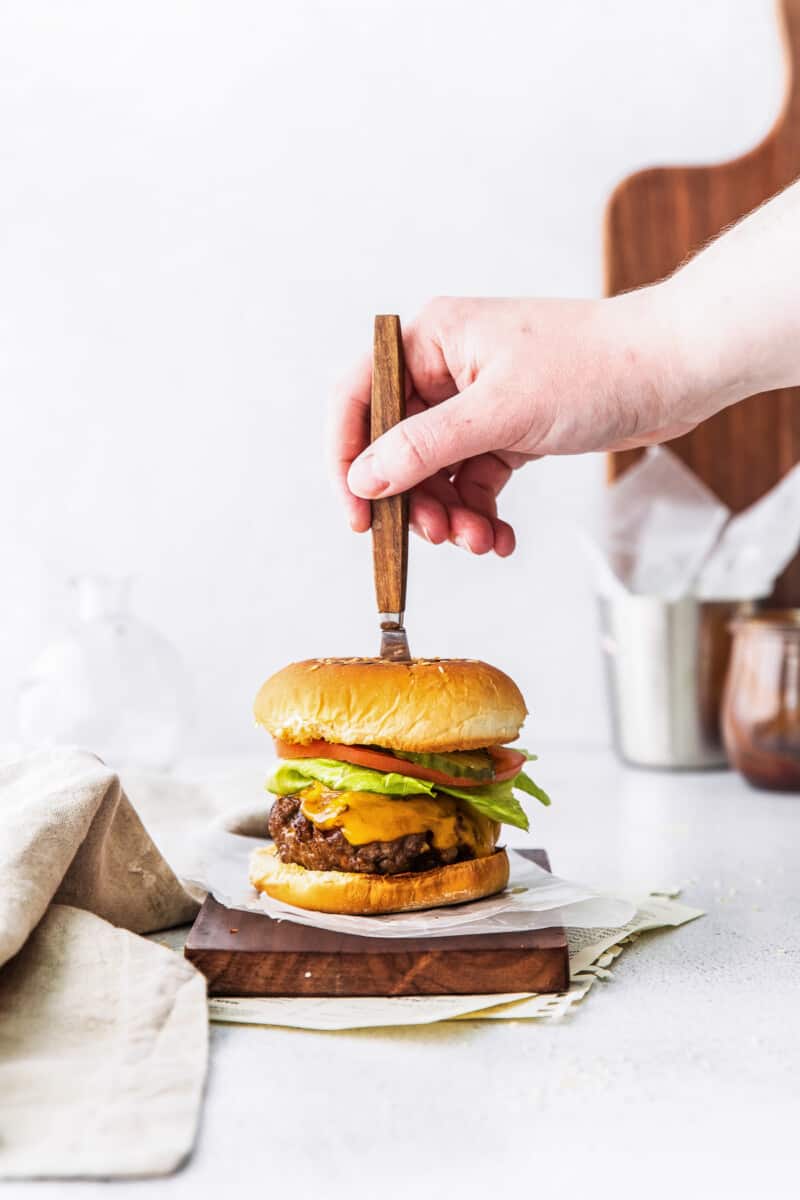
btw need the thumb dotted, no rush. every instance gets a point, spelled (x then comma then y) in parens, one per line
(418, 447)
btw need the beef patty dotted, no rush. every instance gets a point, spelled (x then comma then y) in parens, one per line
(299, 840)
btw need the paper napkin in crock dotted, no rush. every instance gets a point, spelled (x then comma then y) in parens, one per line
(101, 1033)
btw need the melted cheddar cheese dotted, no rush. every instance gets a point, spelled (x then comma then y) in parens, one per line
(368, 817)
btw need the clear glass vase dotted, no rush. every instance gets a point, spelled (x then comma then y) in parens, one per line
(113, 685)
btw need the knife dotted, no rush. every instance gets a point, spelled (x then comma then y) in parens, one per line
(390, 515)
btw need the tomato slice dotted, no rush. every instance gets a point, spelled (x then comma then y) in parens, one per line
(507, 762)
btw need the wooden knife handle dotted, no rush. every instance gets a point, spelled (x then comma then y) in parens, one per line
(389, 516)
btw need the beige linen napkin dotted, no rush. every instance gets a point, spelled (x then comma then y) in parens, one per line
(103, 1035)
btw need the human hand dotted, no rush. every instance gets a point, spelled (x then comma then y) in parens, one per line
(493, 384)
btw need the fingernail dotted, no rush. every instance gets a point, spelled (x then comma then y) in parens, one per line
(462, 542)
(363, 478)
(426, 533)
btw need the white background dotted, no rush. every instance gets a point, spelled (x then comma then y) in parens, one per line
(202, 206)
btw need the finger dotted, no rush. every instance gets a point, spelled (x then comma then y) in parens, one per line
(505, 540)
(348, 435)
(469, 529)
(480, 481)
(478, 484)
(428, 380)
(424, 356)
(359, 513)
(430, 502)
(420, 446)
(428, 517)
(415, 404)
(432, 523)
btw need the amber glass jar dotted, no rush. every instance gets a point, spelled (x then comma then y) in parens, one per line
(761, 705)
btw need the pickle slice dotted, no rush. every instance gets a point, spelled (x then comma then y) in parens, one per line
(461, 764)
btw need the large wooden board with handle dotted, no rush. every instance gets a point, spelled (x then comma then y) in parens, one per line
(655, 220)
(249, 954)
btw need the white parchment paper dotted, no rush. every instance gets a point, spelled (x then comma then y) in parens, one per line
(534, 899)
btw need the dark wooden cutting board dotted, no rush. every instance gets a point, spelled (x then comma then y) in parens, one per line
(249, 954)
(656, 219)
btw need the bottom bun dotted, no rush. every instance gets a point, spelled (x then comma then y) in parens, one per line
(370, 895)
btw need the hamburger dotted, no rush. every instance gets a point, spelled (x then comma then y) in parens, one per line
(393, 782)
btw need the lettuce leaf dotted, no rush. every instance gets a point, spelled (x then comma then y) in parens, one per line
(298, 773)
(526, 784)
(494, 800)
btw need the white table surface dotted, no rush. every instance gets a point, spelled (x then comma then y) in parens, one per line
(681, 1072)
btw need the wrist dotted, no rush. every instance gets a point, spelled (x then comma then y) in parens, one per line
(661, 384)
(726, 348)
(694, 374)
